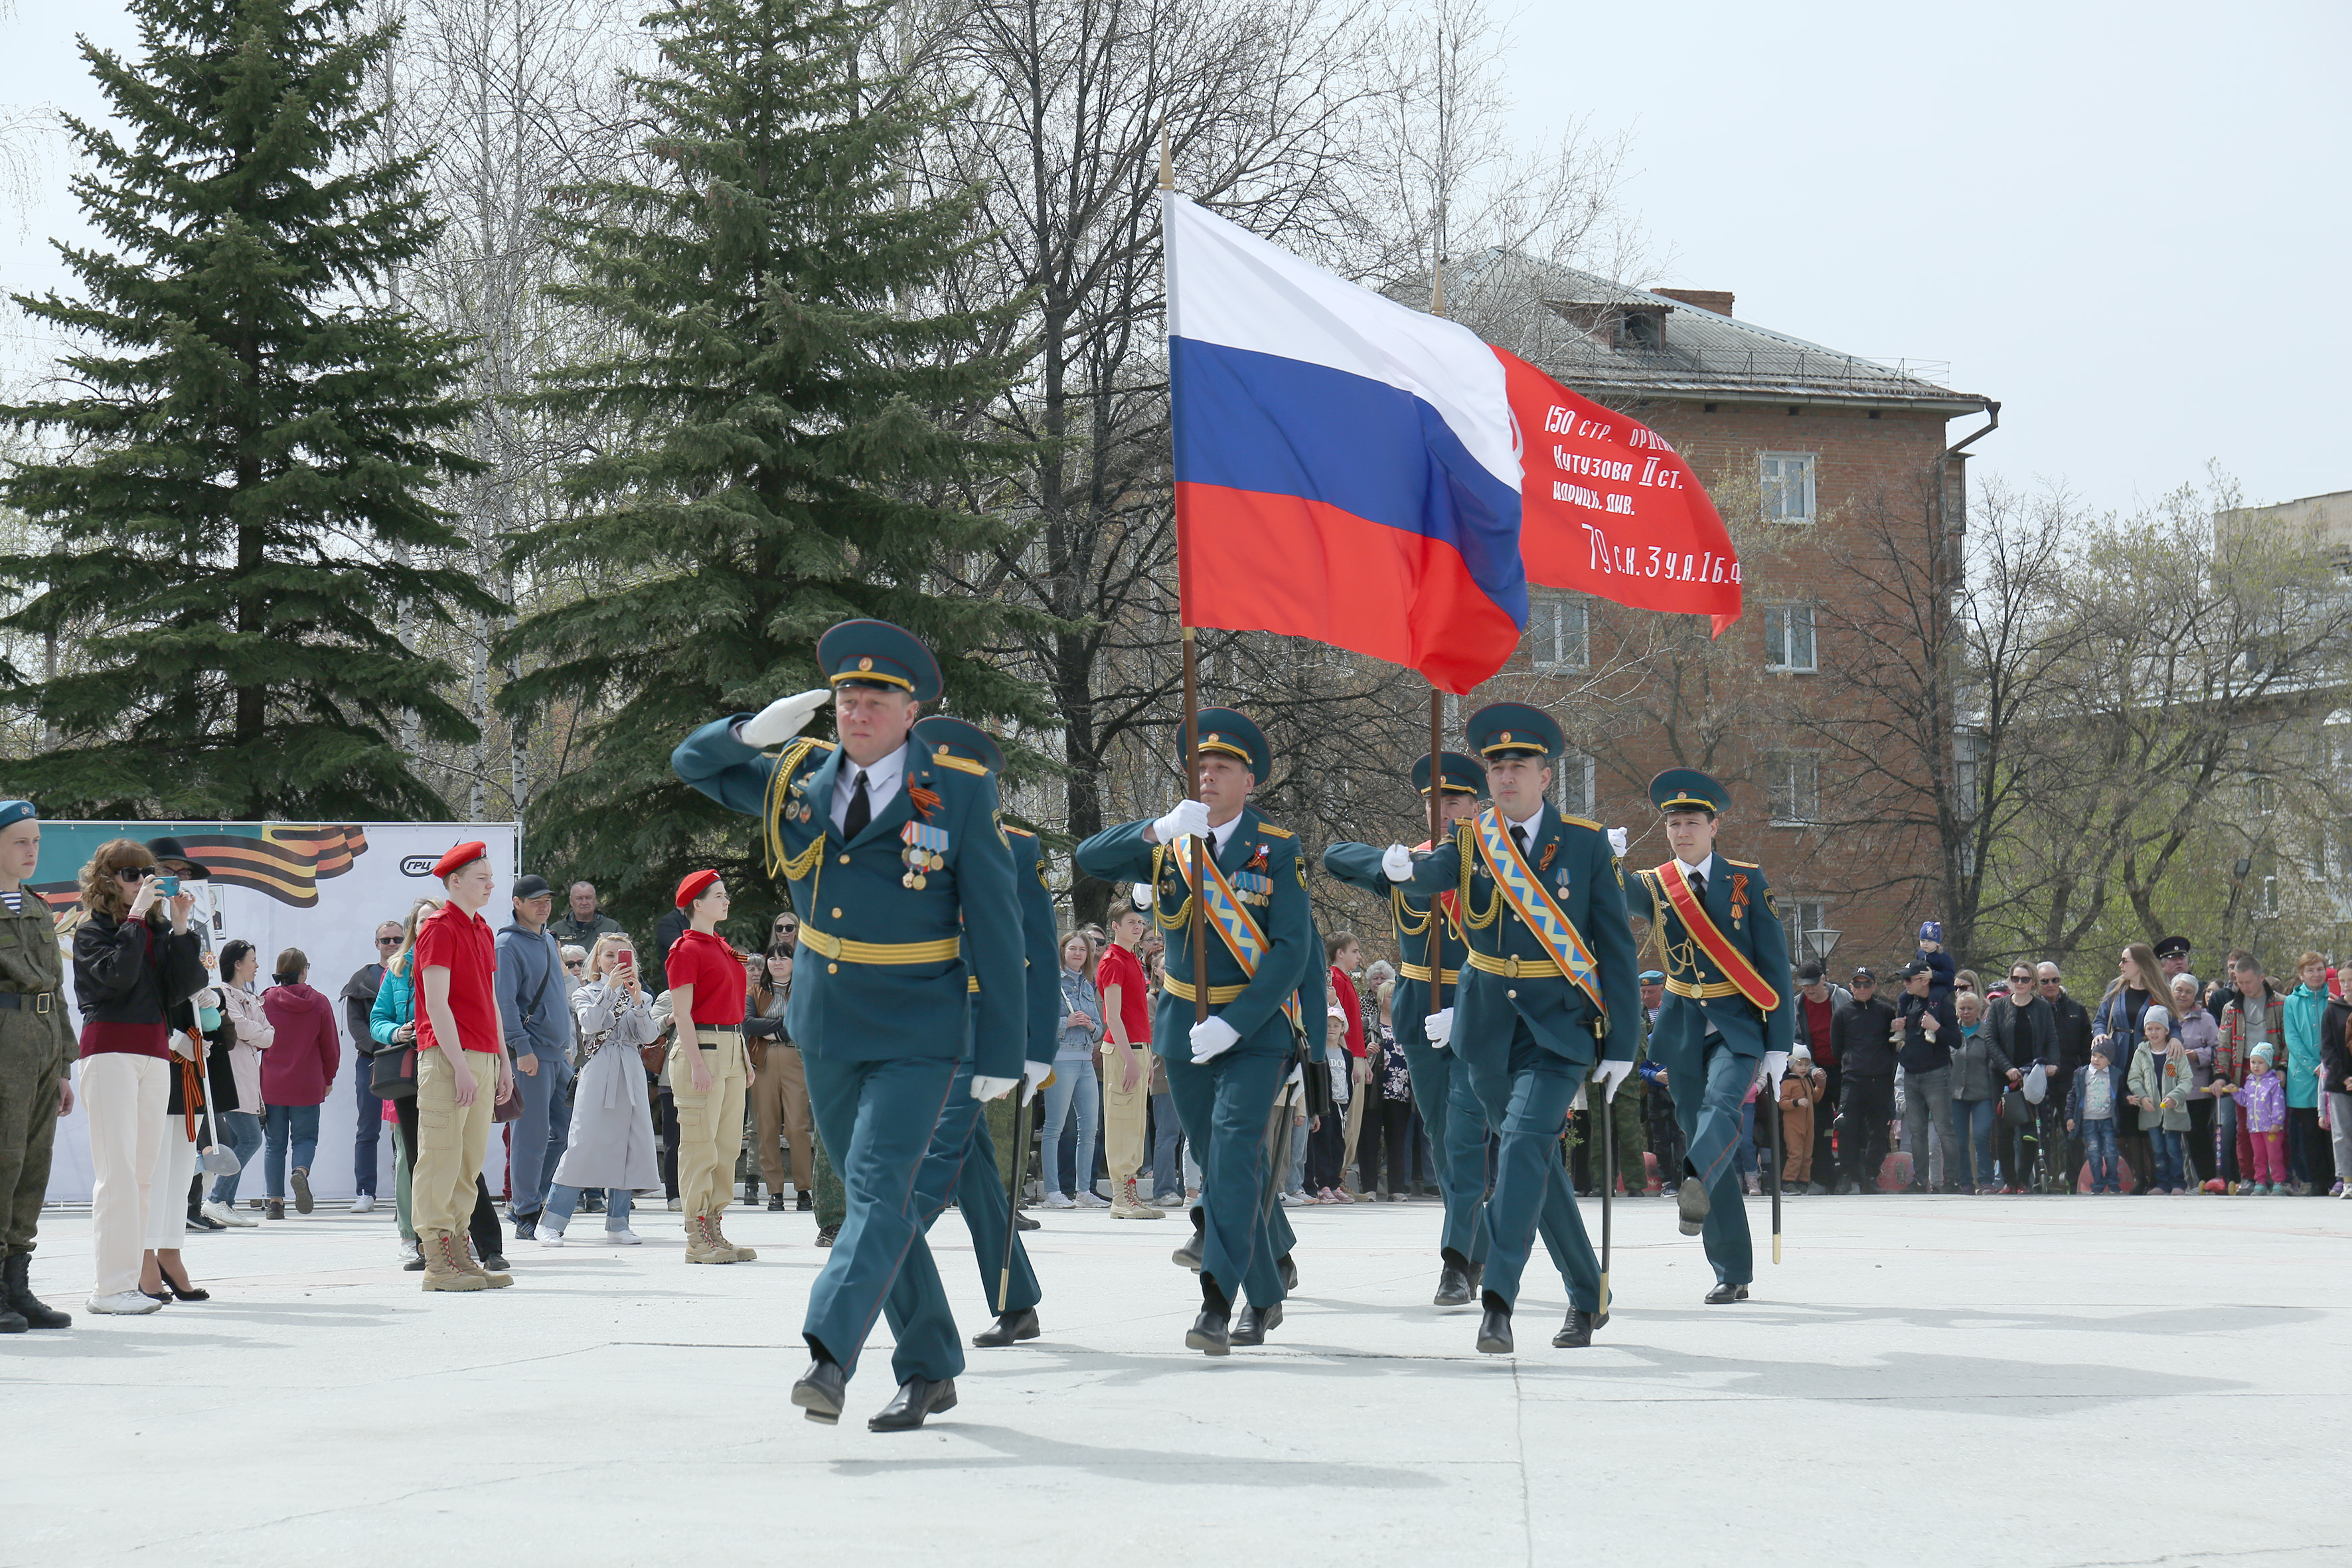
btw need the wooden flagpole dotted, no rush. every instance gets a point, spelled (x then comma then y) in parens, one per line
(1191, 643)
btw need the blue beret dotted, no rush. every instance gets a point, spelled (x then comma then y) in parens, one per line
(16, 811)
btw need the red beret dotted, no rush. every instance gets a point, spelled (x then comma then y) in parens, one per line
(463, 855)
(692, 887)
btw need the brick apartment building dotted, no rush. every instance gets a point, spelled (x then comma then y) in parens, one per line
(1828, 468)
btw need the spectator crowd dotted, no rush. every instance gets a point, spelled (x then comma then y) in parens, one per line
(573, 1046)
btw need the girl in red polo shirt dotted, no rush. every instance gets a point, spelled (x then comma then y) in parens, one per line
(707, 1073)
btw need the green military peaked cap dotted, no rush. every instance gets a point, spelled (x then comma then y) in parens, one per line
(1460, 775)
(1227, 733)
(1514, 729)
(876, 653)
(1687, 789)
(944, 737)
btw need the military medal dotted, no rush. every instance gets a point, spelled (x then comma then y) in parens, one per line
(925, 851)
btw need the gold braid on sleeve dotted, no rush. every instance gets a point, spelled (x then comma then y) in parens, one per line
(1403, 914)
(772, 814)
(1159, 916)
(1465, 851)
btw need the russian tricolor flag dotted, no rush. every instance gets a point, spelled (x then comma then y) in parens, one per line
(1346, 468)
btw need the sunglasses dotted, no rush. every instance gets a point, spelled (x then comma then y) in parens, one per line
(2052, 980)
(387, 942)
(2020, 980)
(136, 873)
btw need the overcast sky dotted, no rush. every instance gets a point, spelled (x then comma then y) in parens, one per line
(2128, 223)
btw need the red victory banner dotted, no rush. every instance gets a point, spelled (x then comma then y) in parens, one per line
(1607, 507)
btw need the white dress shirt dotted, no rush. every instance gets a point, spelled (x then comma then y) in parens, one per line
(882, 782)
(1529, 826)
(1704, 869)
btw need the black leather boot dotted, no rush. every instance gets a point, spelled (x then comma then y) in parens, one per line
(16, 1294)
(1495, 1326)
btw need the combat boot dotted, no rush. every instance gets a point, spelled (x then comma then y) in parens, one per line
(16, 1295)
(742, 1254)
(464, 1246)
(444, 1269)
(702, 1243)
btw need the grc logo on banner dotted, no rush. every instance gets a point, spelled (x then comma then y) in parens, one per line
(1607, 507)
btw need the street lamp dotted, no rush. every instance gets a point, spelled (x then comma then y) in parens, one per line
(1820, 941)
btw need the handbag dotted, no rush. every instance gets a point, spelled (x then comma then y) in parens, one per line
(510, 1106)
(392, 1073)
(2015, 1110)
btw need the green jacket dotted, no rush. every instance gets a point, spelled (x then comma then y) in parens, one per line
(33, 965)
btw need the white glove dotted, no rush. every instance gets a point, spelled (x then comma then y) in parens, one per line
(1776, 1064)
(1032, 1079)
(992, 1087)
(1143, 895)
(781, 719)
(1396, 863)
(1617, 842)
(1213, 1037)
(1186, 818)
(1611, 1074)
(1439, 1027)
(1297, 1077)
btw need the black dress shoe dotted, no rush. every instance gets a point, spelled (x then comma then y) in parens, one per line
(1692, 1203)
(1251, 1324)
(1188, 1255)
(776, 1203)
(1208, 1333)
(496, 1263)
(1453, 1288)
(1576, 1333)
(1023, 1222)
(804, 1201)
(821, 1390)
(1727, 1292)
(1495, 1332)
(916, 1397)
(1012, 1326)
(1287, 1271)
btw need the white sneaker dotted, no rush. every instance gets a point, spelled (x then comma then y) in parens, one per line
(1089, 1201)
(363, 1204)
(622, 1239)
(224, 1215)
(674, 1207)
(1293, 1200)
(550, 1235)
(1056, 1201)
(128, 1303)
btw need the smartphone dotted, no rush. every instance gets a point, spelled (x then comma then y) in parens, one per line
(168, 886)
(625, 958)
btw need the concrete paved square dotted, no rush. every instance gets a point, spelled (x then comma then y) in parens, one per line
(2020, 1381)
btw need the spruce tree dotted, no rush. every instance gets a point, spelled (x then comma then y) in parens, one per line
(232, 506)
(793, 408)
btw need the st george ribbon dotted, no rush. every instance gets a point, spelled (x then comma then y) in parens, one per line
(1345, 466)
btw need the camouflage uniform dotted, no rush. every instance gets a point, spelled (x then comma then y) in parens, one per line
(36, 1048)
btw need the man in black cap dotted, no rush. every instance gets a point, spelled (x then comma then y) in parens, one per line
(1861, 1034)
(535, 1010)
(2172, 956)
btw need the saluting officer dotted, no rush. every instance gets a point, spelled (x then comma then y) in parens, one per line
(1726, 1005)
(962, 1161)
(1548, 989)
(1225, 1072)
(906, 886)
(1450, 1111)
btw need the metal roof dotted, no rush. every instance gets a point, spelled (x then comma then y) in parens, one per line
(1564, 321)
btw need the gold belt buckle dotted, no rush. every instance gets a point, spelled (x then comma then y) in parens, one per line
(1511, 967)
(41, 1003)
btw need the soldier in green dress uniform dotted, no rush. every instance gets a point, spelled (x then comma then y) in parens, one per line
(1726, 1014)
(1549, 997)
(961, 1164)
(36, 1049)
(1450, 1112)
(1224, 1072)
(908, 893)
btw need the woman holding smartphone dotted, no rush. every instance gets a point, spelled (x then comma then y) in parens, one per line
(132, 964)
(612, 1143)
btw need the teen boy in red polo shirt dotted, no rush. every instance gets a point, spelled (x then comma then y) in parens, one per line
(461, 1068)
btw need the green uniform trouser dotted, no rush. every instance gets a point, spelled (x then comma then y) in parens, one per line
(31, 1070)
(1625, 1112)
(1000, 1133)
(832, 1201)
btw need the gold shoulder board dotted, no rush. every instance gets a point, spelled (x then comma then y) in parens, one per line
(1580, 821)
(961, 764)
(1743, 865)
(1271, 831)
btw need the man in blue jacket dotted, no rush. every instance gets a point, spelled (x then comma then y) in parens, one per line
(906, 886)
(1726, 1008)
(1458, 1141)
(1226, 1071)
(535, 1008)
(962, 1161)
(1547, 999)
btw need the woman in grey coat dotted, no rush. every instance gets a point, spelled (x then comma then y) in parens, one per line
(612, 1125)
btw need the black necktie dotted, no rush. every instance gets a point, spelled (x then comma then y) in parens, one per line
(1519, 837)
(1699, 885)
(861, 810)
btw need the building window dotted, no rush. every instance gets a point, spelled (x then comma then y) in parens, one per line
(1793, 788)
(1558, 634)
(1968, 778)
(1798, 916)
(1571, 785)
(1788, 638)
(1788, 479)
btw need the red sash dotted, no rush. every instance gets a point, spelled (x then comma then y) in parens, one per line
(1705, 932)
